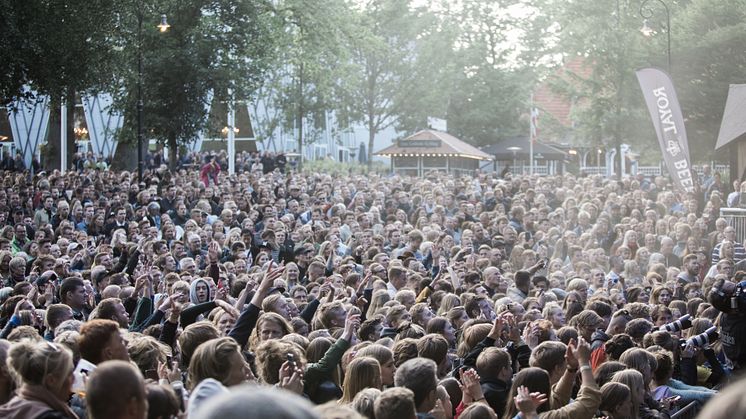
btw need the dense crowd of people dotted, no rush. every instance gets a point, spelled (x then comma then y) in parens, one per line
(305, 295)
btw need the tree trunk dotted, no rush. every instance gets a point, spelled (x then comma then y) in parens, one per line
(126, 151)
(50, 157)
(173, 153)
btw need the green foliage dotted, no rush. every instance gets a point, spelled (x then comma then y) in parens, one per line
(56, 47)
(312, 50)
(382, 67)
(219, 47)
(382, 63)
(708, 45)
(608, 106)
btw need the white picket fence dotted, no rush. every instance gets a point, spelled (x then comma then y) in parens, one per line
(594, 170)
(654, 170)
(649, 170)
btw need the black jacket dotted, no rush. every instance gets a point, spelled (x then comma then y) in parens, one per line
(496, 394)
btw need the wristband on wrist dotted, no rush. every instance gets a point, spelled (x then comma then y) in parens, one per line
(572, 370)
(585, 367)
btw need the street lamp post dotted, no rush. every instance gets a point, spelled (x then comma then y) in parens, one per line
(163, 27)
(139, 95)
(646, 11)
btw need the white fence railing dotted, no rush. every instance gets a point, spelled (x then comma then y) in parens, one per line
(653, 170)
(525, 170)
(720, 168)
(594, 170)
(736, 217)
(649, 170)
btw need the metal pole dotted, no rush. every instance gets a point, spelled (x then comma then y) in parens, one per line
(63, 137)
(532, 131)
(231, 133)
(668, 35)
(139, 97)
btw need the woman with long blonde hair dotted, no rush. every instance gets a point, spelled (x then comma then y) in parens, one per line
(362, 373)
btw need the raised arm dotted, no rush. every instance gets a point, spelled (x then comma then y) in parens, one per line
(246, 322)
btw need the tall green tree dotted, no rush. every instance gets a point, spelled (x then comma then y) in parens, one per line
(608, 106)
(217, 46)
(391, 80)
(708, 42)
(491, 89)
(59, 48)
(314, 49)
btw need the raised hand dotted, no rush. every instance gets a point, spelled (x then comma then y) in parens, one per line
(23, 304)
(570, 358)
(221, 294)
(213, 252)
(267, 282)
(527, 402)
(531, 335)
(352, 324)
(438, 412)
(470, 386)
(583, 352)
(291, 378)
(175, 311)
(166, 304)
(167, 372)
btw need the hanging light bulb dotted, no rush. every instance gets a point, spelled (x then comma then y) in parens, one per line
(164, 24)
(646, 29)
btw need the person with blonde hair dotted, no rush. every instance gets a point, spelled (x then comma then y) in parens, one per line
(45, 373)
(216, 365)
(364, 402)
(379, 299)
(385, 358)
(221, 360)
(362, 373)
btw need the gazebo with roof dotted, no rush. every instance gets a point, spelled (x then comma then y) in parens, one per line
(429, 150)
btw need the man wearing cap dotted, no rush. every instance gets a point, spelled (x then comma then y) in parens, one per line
(303, 259)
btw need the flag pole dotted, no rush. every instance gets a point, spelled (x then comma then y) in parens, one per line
(532, 130)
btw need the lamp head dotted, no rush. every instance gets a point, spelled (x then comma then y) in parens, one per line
(646, 29)
(163, 26)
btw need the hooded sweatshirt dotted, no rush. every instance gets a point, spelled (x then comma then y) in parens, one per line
(193, 291)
